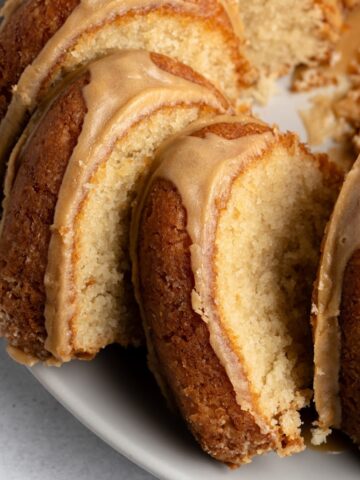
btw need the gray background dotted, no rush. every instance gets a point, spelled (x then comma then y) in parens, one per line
(40, 440)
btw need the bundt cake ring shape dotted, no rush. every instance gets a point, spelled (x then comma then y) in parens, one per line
(335, 317)
(71, 182)
(43, 40)
(225, 243)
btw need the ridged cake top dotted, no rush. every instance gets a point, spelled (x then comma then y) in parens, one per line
(341, 241)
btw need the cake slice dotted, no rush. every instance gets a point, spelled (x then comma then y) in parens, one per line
(225, 242)
(72, 180)
(43, 40)
(336, 318)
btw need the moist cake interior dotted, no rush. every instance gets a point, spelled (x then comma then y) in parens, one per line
(102, 279)
(267, 250)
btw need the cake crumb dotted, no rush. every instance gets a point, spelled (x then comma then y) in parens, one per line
(319, 435)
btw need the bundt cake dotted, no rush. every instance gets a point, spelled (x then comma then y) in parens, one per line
(336, 318)
(53, 37)
(225, 243)
(72, 179)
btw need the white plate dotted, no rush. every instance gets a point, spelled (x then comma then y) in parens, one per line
(115, 397)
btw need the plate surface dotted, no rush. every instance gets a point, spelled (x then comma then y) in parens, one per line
(117, 399)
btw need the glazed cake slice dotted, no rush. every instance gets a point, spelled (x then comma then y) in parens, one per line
(225, 243)
(336, 318)
(72, 180)
(43, 40)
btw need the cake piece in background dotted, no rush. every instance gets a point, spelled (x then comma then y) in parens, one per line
(333, 117)
(282, 34)
(338, 69)
(225, 245)
(347, 108)
(65, 288)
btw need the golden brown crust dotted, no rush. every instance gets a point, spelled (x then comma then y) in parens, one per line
(26, 231)
(25, 33)
(231, 131)
(180, 338)
(349, 322)
(184, 71)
